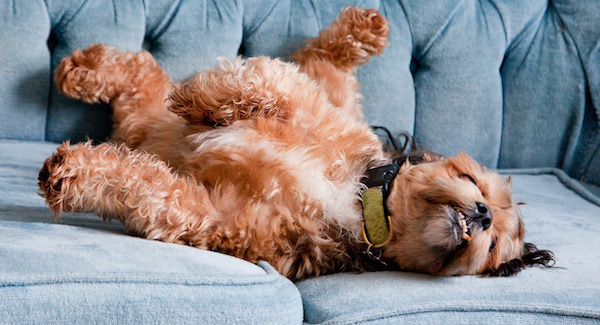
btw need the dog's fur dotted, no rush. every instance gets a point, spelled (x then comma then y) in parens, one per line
(263, 159)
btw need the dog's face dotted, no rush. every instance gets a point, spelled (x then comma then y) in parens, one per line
(453, 217)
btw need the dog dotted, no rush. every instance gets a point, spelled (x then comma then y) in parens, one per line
(270, 160)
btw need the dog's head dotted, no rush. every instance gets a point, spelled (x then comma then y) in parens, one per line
(453, 217)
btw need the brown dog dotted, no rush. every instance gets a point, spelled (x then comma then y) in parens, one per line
(263, 160)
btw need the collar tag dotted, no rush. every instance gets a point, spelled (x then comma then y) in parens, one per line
(376, 223)
(376, 228)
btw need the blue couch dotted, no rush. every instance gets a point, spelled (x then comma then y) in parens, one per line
(515, 84)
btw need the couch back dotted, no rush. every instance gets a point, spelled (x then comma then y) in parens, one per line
(513, 83)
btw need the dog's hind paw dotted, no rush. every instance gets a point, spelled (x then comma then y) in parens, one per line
(362, 30)
(55, 179)
(349, 41)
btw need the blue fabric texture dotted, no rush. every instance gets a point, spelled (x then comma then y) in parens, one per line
(559, 214)
(83, 270)
(515, 84)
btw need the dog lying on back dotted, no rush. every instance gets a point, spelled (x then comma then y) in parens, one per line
(266, 160)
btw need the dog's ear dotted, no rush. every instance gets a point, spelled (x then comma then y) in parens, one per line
(531, 256)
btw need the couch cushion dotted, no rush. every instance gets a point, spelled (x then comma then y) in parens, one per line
(513, 83)
(184, 36)
(25, 70)
(560, 215)
(83, 270)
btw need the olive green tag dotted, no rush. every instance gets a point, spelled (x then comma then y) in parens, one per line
(376, 225)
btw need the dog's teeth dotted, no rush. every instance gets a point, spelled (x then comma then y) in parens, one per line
(465, 227)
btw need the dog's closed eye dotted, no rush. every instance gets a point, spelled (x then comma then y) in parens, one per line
(468, 177)
(472, 180)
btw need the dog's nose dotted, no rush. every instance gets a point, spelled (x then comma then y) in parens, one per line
(482, 215)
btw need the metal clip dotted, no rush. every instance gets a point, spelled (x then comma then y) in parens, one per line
(375, 257)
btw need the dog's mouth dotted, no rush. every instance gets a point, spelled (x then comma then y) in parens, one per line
(458, 231)
(463, 227)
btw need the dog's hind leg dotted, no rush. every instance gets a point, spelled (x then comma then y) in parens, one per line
(132, 83)
(332, 57)
(129, 185)
(153, 202)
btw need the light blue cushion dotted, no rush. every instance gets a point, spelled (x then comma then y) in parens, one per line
(83, 270)
(507, 81)
(24, 70)
(560, 215)
(184, 36)
(515, 84)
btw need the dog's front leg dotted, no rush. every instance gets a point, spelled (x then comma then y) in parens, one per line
(134, 85)
(116, 182)
(246, 89)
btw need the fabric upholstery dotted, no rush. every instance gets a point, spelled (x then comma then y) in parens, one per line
(59, 269)
(82, 270)
(515, 84)
(25, 72)
(557, 215)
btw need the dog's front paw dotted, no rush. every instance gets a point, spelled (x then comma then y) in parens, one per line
(55, 180)
(83, 75)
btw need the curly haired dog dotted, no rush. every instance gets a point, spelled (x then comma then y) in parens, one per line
(264, 160)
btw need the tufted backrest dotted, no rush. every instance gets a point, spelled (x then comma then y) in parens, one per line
(513, 83)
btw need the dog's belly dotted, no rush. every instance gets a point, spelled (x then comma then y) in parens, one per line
(279, 171)
(166, 138)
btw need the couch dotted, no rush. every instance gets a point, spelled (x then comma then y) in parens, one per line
(515, 84)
